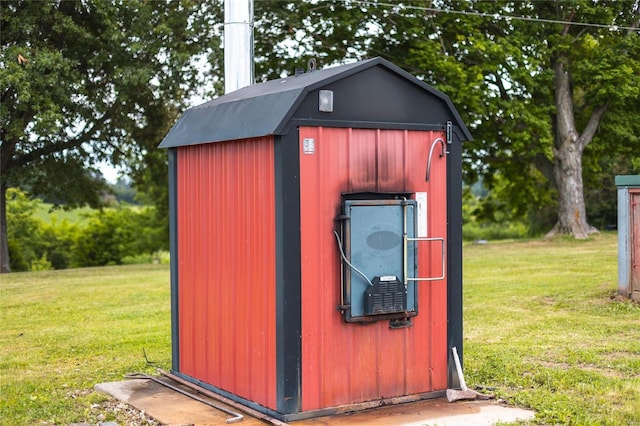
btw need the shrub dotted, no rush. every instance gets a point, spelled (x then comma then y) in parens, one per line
(493, 231)
(22, 230)
(108, 236)
(487, 219)
(56, 241)
(111, 236)
(158, 257)
(41, 264)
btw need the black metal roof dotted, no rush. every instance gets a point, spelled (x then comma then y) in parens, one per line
(369, 91)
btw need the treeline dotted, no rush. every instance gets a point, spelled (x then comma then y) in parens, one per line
(128, 233)
(110, 236)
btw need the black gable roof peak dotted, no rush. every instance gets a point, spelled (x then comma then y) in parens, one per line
(266, 108)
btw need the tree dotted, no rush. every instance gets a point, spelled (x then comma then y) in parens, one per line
(289, 33)
(85, 82)
(595, 73)
(535, 91)
(545, 86)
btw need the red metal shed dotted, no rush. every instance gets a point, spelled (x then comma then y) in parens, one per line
(316, 241)
(629, 235)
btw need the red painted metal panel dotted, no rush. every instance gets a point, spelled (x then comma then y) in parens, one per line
(634, 239)
(348, 363)
(226, 266)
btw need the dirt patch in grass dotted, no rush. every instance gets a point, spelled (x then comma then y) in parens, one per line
(615, 364)
(105, 409)
(623, 299)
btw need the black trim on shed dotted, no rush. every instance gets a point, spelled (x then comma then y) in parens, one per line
(173, 247)
(288, 275)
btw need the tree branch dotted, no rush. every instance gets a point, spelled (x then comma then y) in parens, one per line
(564, 105)
(545, 166)
(636, 22)
(587, 134)
(6, 151)
(47, 149)
(7, 93)
(499, 84)
(577, 37)
(51, 148)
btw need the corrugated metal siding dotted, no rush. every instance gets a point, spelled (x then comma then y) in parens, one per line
(348, 363)
(226, 269)
(634, 228)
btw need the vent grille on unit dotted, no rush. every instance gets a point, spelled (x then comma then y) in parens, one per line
(385, 296)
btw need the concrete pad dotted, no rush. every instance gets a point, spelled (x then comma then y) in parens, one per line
(433, 412)
(169, 407)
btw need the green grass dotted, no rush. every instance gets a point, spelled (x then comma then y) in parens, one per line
(46, 214)
(541, 327)
(64, 331)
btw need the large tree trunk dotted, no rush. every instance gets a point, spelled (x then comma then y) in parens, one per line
(4, 243)
(567, 159)
(567, 171)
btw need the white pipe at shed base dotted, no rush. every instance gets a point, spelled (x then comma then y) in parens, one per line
(238, 44)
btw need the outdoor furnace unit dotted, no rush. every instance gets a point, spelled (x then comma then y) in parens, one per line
(316, 241)
(381, 236)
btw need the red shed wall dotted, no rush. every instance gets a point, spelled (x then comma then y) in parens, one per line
(226, 266)
(634, 229)
(349, 363)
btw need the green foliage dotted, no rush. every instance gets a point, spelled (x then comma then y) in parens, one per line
(56, 241)
(289, 33)
(35, 244)
(108, 236)
(41, 264)
(499, 74)
(49, 213)
(486, 217)
(24, 231)
(600, 192)
(86, 82)
(124, 192)
(159, 257)
(93, 238)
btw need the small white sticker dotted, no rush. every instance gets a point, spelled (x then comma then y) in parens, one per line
(421, 198)
(309, 146)
(388, 278)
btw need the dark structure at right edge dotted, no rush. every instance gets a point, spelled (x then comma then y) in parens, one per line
(316, 241)
(629, 236)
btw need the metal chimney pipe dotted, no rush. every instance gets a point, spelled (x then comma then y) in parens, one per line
(238, 44)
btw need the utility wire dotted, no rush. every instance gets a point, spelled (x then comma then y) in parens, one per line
(493, 15)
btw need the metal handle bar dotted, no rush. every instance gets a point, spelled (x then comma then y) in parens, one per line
(441, 277)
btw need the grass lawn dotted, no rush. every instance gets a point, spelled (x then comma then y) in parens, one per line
(542, 326)
(64, 331)
(74, 217)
